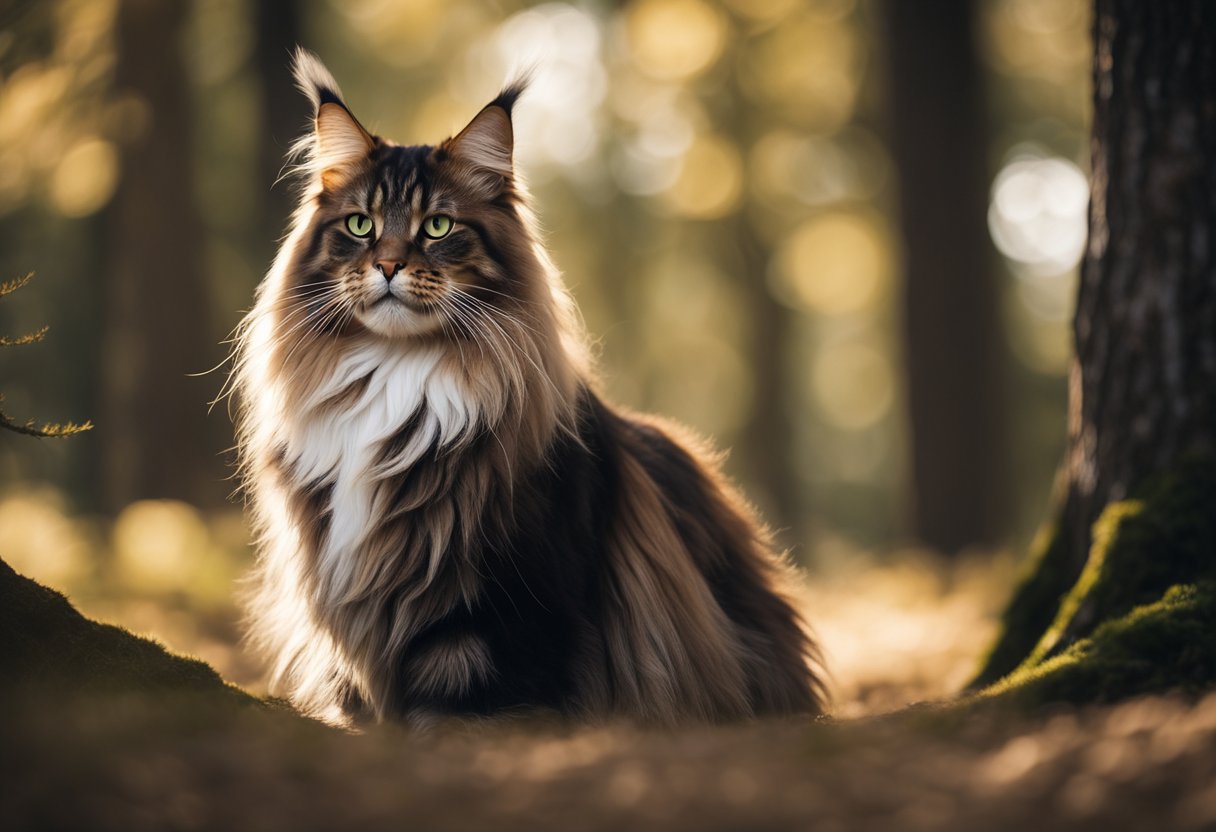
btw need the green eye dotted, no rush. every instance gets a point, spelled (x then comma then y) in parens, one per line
(437, 226)
(359, 224)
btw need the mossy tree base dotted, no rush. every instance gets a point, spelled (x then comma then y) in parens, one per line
(1140, 618)
(1160, 647)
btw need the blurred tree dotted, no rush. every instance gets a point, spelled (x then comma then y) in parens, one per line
(157, 329)
(277, 31)
(1143, 381)
(953, 343)
(767, 438)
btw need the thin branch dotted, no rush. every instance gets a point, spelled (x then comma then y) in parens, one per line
(22, 340)
(47, 430)
(44, 431)
(10, 286)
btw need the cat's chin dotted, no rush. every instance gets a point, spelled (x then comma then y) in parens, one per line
(393, 319)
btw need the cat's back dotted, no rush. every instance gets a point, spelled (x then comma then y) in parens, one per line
(669, 506)
(642, 451)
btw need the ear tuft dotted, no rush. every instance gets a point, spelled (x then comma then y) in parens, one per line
(338, 145)
(512, 92)
(314, 80)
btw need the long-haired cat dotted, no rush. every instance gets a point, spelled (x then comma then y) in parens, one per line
(452, 520)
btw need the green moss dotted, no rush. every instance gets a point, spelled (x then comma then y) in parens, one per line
(1048, 576)
(1141, 547)
(50, 649)
(1164, 535)
(1168, 645)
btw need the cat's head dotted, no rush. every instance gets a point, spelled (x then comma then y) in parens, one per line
(406, 241)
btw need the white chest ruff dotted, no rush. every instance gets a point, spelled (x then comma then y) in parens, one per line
(342, 447)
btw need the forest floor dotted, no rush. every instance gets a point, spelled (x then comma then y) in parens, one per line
(896, 633)
(155, 764)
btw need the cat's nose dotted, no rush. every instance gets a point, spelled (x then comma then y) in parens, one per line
(388, 268)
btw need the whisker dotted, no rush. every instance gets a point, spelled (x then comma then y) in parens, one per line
(464, 293)
(483, 312)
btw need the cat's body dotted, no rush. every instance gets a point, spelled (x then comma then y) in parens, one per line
(452, 520)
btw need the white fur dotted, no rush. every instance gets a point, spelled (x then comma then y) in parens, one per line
(396, 319)
(312, 76)
(341, 447)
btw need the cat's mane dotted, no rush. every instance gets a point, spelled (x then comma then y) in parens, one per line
(399, 487)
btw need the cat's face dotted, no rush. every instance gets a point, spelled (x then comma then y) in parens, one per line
(406, 240)
(409, 241)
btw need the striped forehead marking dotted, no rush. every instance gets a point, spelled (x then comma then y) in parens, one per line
(416, 211)
(402, 189)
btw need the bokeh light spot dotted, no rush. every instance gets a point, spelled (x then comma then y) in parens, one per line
(28, 97)
(674, 39)
(401, 32)
(1037, 216)
(558, 127)
(769, 11)
(710, 181)
(1047, 39)
(160, 545)
(39, 539)
(85, 178)
(833, 264)
(809, 68)
(439, 117)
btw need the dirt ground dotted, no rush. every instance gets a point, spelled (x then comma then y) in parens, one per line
(131, 765)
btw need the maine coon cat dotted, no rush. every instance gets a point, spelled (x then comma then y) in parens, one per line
(452, 520)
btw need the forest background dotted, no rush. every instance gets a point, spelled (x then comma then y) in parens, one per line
(854, 270)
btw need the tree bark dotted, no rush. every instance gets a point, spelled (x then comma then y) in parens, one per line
(1143, 382)
(954, 349)
(157, 440)
(1142, 393)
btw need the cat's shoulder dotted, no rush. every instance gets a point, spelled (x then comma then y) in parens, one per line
(658, 443)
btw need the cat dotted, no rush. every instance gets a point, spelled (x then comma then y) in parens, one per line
(451, 519)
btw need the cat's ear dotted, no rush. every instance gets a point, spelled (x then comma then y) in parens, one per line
(339, 144)
(488, 141)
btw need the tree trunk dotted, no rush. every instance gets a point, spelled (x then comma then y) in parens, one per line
(277, 31)
(158, 443)
(954, 349)
(768, 437)
(1143, 382)
(1144, 378)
